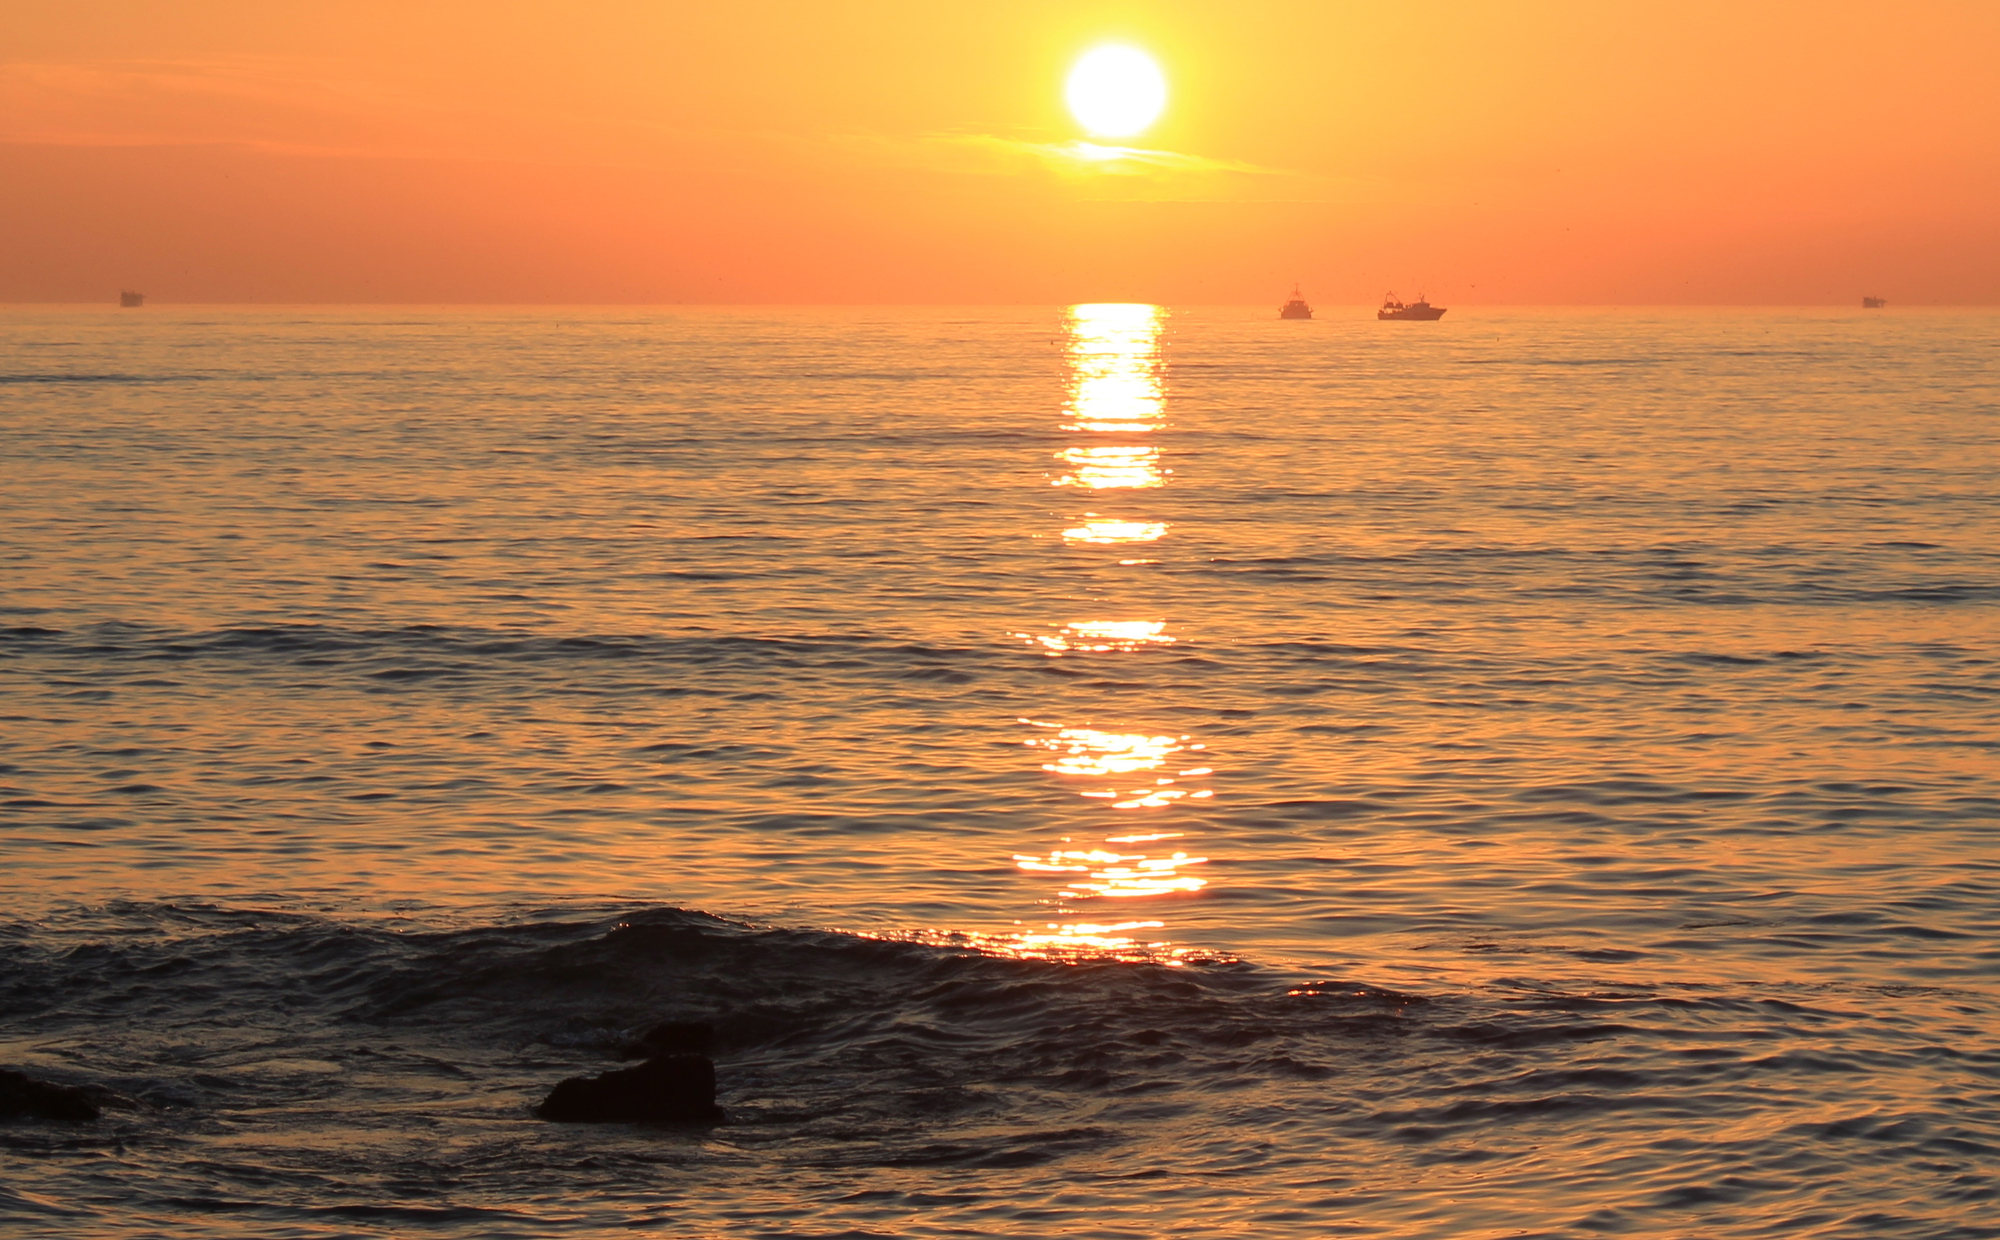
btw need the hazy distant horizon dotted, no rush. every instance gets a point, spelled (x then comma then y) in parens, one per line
(155, 302)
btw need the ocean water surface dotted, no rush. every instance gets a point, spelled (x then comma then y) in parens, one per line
(1107, 770)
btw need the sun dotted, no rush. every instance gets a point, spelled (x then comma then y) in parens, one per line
(1116, 91)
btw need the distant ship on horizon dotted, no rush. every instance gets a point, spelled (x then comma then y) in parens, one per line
(1419, 310)
(1874, 303)
(129, 299)
(1296, 308)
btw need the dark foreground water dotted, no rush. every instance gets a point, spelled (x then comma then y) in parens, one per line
(1106, 772)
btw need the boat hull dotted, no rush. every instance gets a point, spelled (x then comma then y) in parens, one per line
(1414, 314)
(1295, 312)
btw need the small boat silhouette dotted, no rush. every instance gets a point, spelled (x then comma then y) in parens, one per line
(1296, 308)
(129, 299)
(1418, 310)
(1873, 303)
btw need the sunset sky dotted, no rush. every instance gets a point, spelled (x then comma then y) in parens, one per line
(891, 151)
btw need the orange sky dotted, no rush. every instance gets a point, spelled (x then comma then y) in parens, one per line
(893, 151)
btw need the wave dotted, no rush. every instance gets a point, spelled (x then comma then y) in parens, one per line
(584, 985)
(589, 983)
(211, 1007)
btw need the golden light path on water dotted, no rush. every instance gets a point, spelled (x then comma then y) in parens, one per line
(1102, 636)
(1114, 367)
(1098, 530)
(1116, 391)
(1122, 467)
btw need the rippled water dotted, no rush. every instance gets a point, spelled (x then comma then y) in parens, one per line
(1139, 771)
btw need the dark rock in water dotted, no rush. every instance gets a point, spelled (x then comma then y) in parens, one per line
(674, 1037)
(669, 1089)
(24, 1097)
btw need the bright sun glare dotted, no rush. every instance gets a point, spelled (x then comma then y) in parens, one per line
(1115, 92)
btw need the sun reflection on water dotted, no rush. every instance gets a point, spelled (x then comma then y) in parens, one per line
(1116, 382)
(1102, 531)
(1117, 390)
(1115, 875)
(1110, 468)
(1084, 941)
(1078, 943)
(1102, 636)
(1088, 751)
(1109, 756)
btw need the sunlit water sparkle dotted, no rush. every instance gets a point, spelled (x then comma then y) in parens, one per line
(1140, 770)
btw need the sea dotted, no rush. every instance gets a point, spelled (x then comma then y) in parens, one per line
(1108, 770)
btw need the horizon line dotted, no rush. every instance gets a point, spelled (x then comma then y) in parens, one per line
(153, 303)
